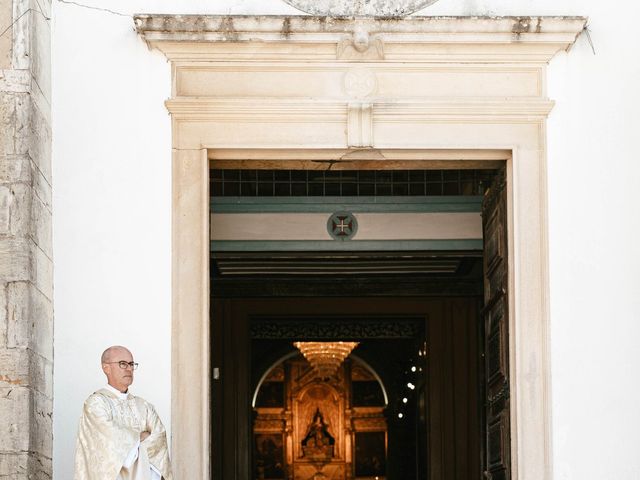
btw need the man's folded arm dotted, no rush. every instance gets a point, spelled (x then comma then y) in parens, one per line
(156, 444)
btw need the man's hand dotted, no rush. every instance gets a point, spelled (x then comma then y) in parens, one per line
(144, 435)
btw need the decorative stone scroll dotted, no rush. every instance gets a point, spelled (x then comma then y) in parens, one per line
(360, 46)
(350, 8)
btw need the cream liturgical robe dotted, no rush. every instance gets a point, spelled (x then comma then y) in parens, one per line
(108, 445)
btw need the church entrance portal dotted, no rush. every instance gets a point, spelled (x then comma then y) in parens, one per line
(450, 92)
(424, 394)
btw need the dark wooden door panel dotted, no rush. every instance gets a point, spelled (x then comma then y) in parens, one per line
(497, 455)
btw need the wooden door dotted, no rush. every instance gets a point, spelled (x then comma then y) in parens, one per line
(497, 457)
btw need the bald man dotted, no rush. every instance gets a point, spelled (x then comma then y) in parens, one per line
(120, 436)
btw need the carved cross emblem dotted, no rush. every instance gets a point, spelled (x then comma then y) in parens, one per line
(342, 226)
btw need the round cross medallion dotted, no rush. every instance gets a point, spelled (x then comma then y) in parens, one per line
(360, 82)
(342, 226)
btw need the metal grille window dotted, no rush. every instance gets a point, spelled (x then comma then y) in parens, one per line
(347, 183)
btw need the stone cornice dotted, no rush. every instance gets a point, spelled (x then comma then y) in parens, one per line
(193, 37)
(249, 110)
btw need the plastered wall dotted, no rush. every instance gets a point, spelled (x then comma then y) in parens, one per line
(112, 205)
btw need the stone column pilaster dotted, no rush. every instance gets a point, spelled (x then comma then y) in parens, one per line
(26, 267)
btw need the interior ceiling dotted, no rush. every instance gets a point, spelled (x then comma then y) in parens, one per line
(233, 264)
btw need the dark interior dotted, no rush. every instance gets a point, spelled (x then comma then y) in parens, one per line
(418, 316)
(439, 433)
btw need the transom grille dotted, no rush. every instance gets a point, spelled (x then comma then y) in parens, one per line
(347, 183)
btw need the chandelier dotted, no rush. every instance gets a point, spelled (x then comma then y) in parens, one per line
(325, 357)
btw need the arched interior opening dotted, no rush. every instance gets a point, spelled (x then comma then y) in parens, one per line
(303, 423)
(342, 425)
(373, 376)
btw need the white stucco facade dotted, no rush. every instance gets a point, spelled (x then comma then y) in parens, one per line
(112, 219)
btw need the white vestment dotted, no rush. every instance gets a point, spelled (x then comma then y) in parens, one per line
(108, 446)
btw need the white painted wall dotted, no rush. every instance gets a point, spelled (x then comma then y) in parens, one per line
(112, 218)
(594, 226)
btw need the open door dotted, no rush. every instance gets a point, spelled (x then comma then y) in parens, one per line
(497, 457)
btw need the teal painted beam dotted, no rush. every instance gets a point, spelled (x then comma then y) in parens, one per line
(350, 204)
(343, 246)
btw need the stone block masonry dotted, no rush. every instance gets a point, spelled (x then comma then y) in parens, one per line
(26, 265)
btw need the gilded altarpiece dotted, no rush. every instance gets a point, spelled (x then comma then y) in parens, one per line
(307, 428)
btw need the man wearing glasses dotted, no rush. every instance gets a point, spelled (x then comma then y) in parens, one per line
(120, 436)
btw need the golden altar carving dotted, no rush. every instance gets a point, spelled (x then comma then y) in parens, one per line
(311, 435)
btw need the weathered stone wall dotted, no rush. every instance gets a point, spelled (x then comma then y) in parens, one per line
(26, 288)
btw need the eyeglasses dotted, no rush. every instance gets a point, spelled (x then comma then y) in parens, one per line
(123, 365)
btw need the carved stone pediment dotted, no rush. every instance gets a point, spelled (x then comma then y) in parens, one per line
(376, 8)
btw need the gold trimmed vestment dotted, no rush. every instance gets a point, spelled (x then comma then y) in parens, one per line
(110, 429)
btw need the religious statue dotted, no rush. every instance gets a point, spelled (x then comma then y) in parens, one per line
(318, 442)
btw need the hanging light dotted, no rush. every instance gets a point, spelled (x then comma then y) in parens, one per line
(325, 357)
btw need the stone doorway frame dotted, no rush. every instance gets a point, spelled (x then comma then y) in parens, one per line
(432, 91)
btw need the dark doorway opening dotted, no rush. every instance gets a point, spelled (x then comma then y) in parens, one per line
(423, 349)
(433, 320)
